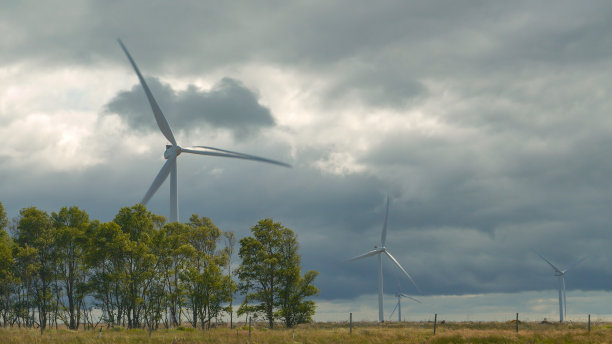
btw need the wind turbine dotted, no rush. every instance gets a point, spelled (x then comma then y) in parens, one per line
(398, 305)
(379, 251)
(560, 273)
(174, 150)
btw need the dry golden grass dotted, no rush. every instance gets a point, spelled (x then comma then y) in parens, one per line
(460, 332)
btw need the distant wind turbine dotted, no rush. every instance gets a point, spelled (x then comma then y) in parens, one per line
(379, 251)
(560, 273)
(174, 150)
(398, 305)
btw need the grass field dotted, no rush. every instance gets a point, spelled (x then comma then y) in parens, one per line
(413, 332)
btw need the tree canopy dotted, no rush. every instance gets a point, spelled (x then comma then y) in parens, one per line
(270, 276)
(138, 271)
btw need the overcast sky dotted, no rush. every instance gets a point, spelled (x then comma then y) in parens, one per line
(487, 123)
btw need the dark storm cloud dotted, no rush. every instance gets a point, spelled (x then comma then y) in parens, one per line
(544, 187)
(229, 105)
(380, 55)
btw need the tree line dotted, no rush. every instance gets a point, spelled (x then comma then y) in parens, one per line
(138, 271)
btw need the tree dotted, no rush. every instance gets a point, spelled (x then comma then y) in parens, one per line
(26, 270)
(270, 275)
(205, 285)
(7, 262)
(35, 230)
(72, 225)
(139, 262)
(177, 252)
(3, 218)
(294, 309)
(230, 243)
(105, 258)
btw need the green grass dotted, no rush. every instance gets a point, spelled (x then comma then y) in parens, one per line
(413, 332)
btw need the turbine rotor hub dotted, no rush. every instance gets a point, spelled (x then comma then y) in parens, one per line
(170, 149)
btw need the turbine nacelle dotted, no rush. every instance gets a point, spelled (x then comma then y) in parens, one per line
(172, 150)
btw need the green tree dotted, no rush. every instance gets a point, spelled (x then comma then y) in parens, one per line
(205, 285)
(35, 229)
(72, 226)
(3, 218)
(155, 293)
(26, 270)
(230, 243)
(108, 245)
(270, 275)
(7, 262)
(178, 253)
(294, 289)
(139, 262)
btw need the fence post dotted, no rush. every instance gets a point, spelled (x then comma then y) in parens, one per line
(517, 322)
(351, 323)
(589, 324)
(249, 328)
(435, 322)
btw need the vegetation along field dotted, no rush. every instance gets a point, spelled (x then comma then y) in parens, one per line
(67, 279)
(139, 272)
(413, 332)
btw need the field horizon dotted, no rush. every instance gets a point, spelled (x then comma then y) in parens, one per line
(331, 332)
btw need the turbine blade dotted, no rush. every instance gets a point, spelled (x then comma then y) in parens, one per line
(411, 298)
(390, 315)
(203, 150)
(383, 236)
(367, 254)
(574, 264)
(159, 179)
(401, 268)
(551, 264)
(159, 116)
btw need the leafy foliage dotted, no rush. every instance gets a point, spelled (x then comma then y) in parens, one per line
(7, 276)
(137, 270)
(270, 276)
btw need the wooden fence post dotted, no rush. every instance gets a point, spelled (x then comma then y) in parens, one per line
(589, 324)
(249, 328)
(517, 322)
(351, 323)
(435, 322)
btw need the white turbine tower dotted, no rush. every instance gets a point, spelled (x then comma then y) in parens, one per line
(174, 150)
(379, 251)
(560, 273)
(398, 305)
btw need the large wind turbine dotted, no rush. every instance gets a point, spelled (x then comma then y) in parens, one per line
(379, 251)
(560, 273)
(174, 150)
(398, 305)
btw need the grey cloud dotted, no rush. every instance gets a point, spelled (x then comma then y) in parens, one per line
(229, 105)
(337, 217)
(376, 86)
(381, 54)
